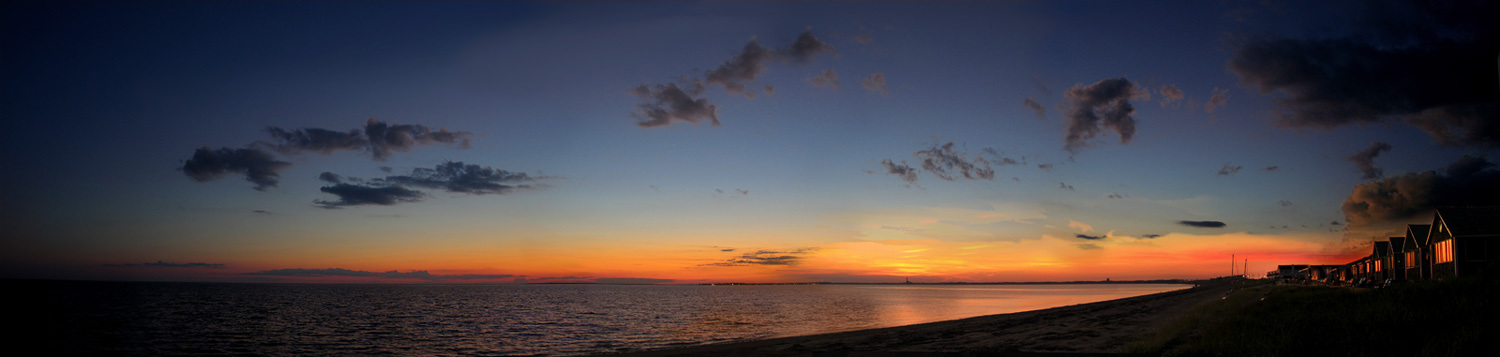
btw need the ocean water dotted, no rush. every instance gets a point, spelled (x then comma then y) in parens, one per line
(103, 318)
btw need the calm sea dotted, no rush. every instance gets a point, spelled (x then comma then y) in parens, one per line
(97, 318)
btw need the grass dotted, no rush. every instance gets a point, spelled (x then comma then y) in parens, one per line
(1426, 318)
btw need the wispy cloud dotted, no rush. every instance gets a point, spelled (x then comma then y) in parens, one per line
(1031, 103)
(765, 257)
(162, 264)
(1218, 99)
(1364, 160)
(393, 274)
(1230, 170)
(665, 103)
(1170, 96)
(451, 176)
(876, 83)
(378, 138)
(828, 79)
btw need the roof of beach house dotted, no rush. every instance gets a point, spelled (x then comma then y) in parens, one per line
(1417, 235)
(1470, 221)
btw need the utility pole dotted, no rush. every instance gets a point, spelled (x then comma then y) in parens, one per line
(1231, 264)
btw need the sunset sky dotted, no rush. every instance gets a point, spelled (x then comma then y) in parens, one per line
(685, 142)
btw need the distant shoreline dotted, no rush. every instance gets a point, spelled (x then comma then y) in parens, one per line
(1099, 327)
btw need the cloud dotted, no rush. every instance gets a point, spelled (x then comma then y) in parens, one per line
(1089, 246)
(1429, 64)
(1364, 160)
(1116, 196)
(1065, 186)
(876, 83)
(906, 173)
(1084, 236)
(744, 67)
(357, 195)
(827, 79)
(1218, 99)
(666, 103)
(1229, 170)
(742, 192)
(806, 46)
(1470, 181)
(1271, 168)
(161, 264)
(261, 211)
(1149, 236)
(393, 274)
(864, 39)
(1080, 226)
(258, 166)
(632, 281)
(770, 90)
(750, 63)
(1203, 224)
(379, 138)
(1031, 103)
(1285, 203)
(941, 161)
(1045, 167)
(1170, 96)
(455, 176)
(1102, 106)
(450, 176)
(765, 257)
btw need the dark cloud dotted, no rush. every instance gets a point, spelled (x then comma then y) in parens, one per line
(765, 257)
(1170, 96)
(1065, 186)
(943, 161)
(876, 83)
(1085, 236)
(330, 177)
(1045, 167)
(1218, 99)
(1468, 182)
(1335, 223)
(1364, 160)
(1229, 170)
(317, 140)
(340, 272)
(1285, 203)
(726, 250)
(668, 102)
(379, 138)
(451, 176)
(258, 166)
(1089, 246)
(827, 79)
(162, 264)
(386, 138)
(454, 176)
(261, 211)
(1116, 196)
(742, 192)
(1031, 103)
(1430, 64)
(1104, 105)
(1149, 236)
(744, 67)
(806, 47)
(632, 281)
(1203, 224)
(360, 194)
(1271, 168)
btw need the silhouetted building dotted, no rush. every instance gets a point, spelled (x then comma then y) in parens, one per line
(1462, 241)
(1416, 250)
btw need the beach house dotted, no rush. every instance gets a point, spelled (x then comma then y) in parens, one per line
(1415, 251)
(1380, 261)
(1461, 241)
(1397, 266)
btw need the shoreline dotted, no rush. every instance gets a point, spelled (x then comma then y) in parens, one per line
(1098, 327)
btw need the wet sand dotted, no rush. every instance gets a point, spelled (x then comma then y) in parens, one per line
(1101, 327)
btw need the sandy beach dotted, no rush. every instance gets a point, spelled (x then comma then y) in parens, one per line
(1101, 327)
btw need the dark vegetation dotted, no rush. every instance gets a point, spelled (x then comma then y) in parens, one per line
(1262, 319)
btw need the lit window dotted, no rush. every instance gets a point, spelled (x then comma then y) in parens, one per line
(1444, 251)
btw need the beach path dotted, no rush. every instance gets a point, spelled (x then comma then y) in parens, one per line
(1100, 327)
